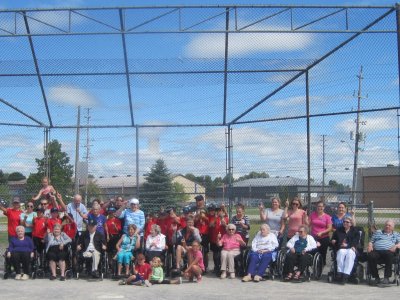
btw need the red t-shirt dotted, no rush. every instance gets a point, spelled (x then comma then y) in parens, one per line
(162, 223)
(218, 228)
(143, 270)
(51, 222)
(202, 225)
(70, 229)
(13, 217)
(114, 229)
(39, 229)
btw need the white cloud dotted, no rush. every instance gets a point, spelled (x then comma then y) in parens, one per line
(213, 45)
(371, 124)
(70, 95)
(295, 101)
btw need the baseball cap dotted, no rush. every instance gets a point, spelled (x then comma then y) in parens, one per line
(134, 201)
(16, 200)
(92, 222)
(54, 209)
(199, 198)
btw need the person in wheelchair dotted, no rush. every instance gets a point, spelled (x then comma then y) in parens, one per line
(20, 251)
(382, 247)
(155, 243)
(90, 245)
(300, 246)
(126, 247)
(345, 241)
(262, 248)
(184, 238)
(56, 250)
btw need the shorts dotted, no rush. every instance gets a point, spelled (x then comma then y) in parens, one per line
(138, 278)
(124, 257)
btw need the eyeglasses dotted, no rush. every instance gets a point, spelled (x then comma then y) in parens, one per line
(295, 203)
(346, 222)
(29, 206)
(231, 229)
(301, 231)
(44, 203)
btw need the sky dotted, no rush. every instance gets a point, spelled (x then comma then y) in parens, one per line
(278, 148)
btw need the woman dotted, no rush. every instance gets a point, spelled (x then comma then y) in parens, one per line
(345, 241)
(242, 222)
(56, 250)
(321, 226)
(337, 219)
(27, 217)
(155, 243)
(295, 215)
(262, 247)
(125, 247)
(13, 217)
(230, 243)
(299, 246)
(20, 250)
(273, 217)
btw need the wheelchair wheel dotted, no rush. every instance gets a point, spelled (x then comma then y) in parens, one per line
(368, 276)
(317, 266)
(330, 277)
(280, 261)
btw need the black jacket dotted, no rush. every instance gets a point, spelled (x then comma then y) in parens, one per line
(98, 241)
(352, 238)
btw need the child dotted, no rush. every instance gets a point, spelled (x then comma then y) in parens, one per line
(157, 276)
(46, 191)
(69, 226)
(39, 231)
(196, 263)
(113, 228)
(53, 220)
(141, 273)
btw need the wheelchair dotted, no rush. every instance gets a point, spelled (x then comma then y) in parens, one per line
(357, 274)
(312, 270)
(381, 266)
(84, 265)
(9, 269)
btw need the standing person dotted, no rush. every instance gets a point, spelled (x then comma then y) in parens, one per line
(20, 250)
(46, 191)
(218, 220)
(273, 217)
(79, 212)
(39, 231)
(13, 217)
(132, 215)
(27, 218)
(242, 222)
(341, 213)
(295, 215)
(113, 230)
(95, 213)
(55, 219)
(321, 226)
(202, 224)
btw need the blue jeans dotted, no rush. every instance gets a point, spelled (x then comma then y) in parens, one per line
(259, 263)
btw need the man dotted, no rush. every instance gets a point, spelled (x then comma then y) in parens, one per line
(200, 204)
(92, 243)
(382, 246)
(78, 211)
(132, 215)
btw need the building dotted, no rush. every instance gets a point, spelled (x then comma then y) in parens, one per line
(379, 184)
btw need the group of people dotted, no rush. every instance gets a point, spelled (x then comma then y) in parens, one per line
(120, 229)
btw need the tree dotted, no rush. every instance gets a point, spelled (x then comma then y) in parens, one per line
(3, 177)
(338, 186)
(253, 174)
(179, 193)
(15, 176)
(61, 171)
(93, 190)
(158, 188)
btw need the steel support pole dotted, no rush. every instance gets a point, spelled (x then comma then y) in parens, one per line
(230, 187)
(78, 124)
(226, 63)
(398, 76)
(308, 142)
(137, 162)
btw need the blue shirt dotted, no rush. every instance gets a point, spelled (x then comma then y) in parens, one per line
(338, 223)
(101, 220)
(133, 217)
(28, 221)
(384, 241)
(17, 245)
(71, 209)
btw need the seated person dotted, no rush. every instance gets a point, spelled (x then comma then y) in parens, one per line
(141, 273)
(345, 241)
(91, 243)
(20, 250)
(262, 247)
(184, 239)
(299, 246)
(126, 245)
(196, 265)
(155, 242)
(157, 273)
(56, 250)
(230, 243)
(383, 245)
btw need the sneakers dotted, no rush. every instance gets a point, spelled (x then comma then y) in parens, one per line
(25, 277)
(198, 279)
(180, 280)
(232, 275)
(257, 278)
(246, 278)
(147, 283)
(122, 282)
(18, 277)
(223, 275)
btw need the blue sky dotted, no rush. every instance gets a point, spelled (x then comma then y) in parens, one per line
(277, 148)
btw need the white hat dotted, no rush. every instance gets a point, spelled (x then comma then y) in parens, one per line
(134, 201)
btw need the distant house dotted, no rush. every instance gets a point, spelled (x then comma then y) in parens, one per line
(379, 184)
(17, 188)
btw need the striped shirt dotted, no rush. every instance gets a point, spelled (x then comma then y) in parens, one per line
(133, 217)
(384, 241)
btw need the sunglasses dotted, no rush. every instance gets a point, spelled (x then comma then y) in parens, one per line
(295, 203)
(29, 206)
(44, 203)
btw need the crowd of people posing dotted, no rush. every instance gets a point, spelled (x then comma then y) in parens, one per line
(121, 228)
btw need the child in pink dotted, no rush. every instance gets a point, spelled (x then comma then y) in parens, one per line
(196, 263)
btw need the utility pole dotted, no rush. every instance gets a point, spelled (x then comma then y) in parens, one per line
(357, 137)
(87, 154)
(323, 165)
(78, 125)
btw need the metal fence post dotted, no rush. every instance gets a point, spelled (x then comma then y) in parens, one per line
(371, 221)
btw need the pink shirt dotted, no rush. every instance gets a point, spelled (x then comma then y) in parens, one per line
(230, 242)
(319, 223)
(199, 256)
(295, 220)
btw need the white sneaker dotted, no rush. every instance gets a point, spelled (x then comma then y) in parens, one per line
(223, 275)
(25, 277)
(147, 283)
(246, 278)
(257, 278)
(18, 277)
(232, 275)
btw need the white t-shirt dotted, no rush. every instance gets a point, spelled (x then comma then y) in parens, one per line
(274, 219)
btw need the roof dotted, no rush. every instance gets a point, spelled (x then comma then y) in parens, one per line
(273, 181)
(111, 182)
(379, 171)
